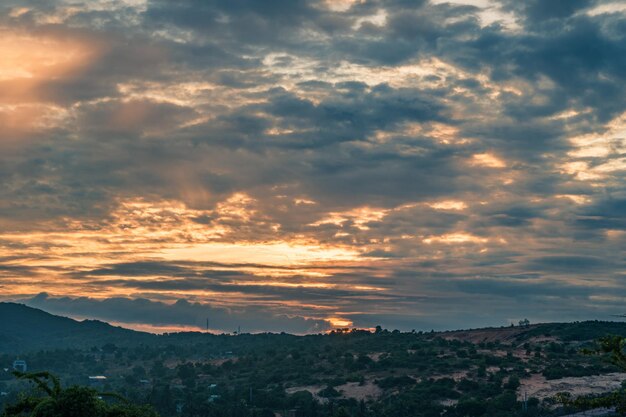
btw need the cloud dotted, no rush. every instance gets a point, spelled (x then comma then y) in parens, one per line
(538, 11)
(362, 161)
(181, 313)
(568, 263)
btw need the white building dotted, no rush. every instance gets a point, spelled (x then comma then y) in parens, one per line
(20, 365)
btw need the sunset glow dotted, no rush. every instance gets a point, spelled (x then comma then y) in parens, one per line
(305, 166)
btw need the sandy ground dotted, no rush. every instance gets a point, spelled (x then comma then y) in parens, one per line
(369, 390)
(457, 376)
(506, 335)
(537, 386)
(313, 389)
(502, 334)
(599, 412)
(448, 403)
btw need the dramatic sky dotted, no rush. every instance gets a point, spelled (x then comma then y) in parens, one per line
(299, 165)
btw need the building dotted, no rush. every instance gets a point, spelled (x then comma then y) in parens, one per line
(97, 380)
(20, 365)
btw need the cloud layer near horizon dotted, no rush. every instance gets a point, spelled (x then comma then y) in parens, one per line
(300, 165)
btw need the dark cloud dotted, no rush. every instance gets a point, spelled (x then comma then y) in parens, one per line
(536, 11)
(181, 313)
(568, 263)
(459, 161)
(605, 214)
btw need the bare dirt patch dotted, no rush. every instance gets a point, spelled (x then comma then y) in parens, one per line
(539, 387)
(457, 376)
(449, 403)
(495, 334)
(313, 389)
(505, 335)
(367, 391)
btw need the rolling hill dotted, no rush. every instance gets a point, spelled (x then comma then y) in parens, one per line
(27, 329)
(24, 328)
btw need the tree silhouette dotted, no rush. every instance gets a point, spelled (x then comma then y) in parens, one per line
(52, 400)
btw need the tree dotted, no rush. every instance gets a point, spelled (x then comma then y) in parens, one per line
(513, 383)
(341, 412)
(161, 399)
(471, 408)
(75, 401)
(109, 348)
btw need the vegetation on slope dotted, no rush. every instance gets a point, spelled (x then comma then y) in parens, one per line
(51, 400)
(346, 373)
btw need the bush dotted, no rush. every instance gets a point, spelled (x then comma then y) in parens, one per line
(74, 401)
(395, 381)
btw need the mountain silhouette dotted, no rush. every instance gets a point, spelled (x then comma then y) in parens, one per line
(24, 328)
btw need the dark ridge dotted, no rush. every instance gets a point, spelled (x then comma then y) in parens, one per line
(24, 328)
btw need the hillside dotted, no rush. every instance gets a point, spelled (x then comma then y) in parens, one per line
(584, 331)
(24, 328)
(477, 372)
(27, 329)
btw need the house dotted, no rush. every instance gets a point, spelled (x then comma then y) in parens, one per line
(20, 365)
(97, 380)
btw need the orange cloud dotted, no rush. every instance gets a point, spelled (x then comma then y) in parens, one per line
(28, 60)
(460, 237)
(166, 231)
(339, 322)
(29, 64)
(488, 160)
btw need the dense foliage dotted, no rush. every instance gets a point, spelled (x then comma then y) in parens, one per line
(51, 400)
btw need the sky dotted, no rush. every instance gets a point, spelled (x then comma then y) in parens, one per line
(298, 166)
